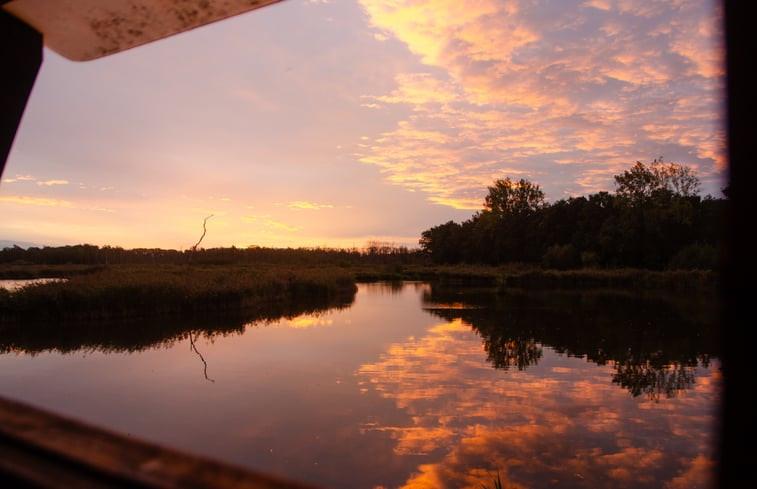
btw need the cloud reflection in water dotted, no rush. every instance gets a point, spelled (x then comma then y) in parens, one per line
(561, 422)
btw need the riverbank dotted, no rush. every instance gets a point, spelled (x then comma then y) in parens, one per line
(127, 291)
(526, 277)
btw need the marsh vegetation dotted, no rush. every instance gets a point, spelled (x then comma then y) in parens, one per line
(124, 292)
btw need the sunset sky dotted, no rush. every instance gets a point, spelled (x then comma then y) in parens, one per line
(332, 123)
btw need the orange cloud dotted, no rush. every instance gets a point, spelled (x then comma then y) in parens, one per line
(420, 89)
(300, 204)
(519, 87)
(49, 183)
(19, 178)
(280, 225)
(41, 201)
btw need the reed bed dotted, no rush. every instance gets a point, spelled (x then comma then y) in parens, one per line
(127, 291)
(144, 291)
(612, 279)
(524, 276)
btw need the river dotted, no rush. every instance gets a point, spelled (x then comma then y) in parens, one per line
(415, 386)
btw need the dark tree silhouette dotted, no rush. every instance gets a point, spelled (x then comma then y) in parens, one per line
(508, 198)
(654, 220)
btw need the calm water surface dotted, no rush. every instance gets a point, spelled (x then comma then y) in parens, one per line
(414, 386)
(15, 284)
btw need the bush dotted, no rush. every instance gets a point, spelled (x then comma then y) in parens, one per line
(589, 259)
(695, 257)
(561, 257)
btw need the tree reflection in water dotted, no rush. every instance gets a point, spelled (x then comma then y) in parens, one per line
(151, 332)
(193, 347)
(396, 397)
(654, 380)
(653, 340)
(512, 352)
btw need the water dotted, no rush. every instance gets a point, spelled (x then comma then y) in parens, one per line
(414, 386)
(16, 284)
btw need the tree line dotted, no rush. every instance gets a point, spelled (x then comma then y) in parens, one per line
(655, 219)
(375, 252)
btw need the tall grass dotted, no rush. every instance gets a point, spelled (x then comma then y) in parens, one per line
(118, 291)
(531, 277)
(142, 291)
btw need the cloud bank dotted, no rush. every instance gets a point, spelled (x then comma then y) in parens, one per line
(566, 94)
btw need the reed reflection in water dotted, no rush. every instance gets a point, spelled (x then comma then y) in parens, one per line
(415, 386)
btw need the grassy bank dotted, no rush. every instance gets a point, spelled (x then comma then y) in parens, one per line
(525, 277)
(127, 291)
(117, 292)
(30, 271)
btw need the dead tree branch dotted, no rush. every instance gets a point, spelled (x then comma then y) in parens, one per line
(204, 230)
(194, 349)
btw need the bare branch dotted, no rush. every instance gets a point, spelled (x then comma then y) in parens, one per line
(204, 230)
(194, 349)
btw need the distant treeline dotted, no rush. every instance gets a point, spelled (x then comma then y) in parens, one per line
(375, 252)
(654, 220)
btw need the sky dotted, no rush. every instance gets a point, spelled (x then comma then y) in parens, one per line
(334, 123)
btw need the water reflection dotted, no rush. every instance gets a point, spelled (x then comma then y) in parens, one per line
(654, 342)
(193, 347)
(398, 390)
(549, 414)
(655, 381)
(13, 285)
(141, 334)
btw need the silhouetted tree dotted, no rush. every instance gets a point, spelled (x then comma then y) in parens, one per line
(509, 209)
(443, 243)
(651, 221)
(642, 181)
(508, 198)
